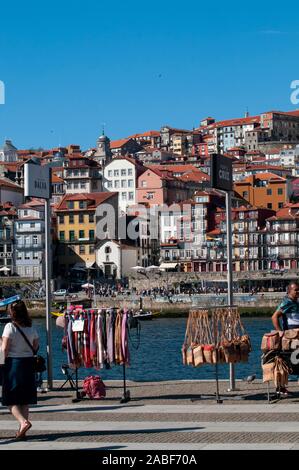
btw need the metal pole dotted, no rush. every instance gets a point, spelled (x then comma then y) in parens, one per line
(232, 384)
(48, 291)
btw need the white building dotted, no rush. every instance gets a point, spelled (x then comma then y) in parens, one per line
(120, 176)
(290, 158)
(8, 152)
(29, 236)
(116, 259)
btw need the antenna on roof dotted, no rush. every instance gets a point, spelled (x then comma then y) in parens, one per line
(103, 128)
(247, 112)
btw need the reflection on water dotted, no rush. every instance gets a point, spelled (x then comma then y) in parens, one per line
(159, 354)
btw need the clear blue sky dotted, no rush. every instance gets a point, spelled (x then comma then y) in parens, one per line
(69, 66)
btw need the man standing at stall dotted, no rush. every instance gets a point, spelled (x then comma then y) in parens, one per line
(288, 309)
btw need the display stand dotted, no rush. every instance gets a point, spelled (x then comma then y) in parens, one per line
(222, 325)
(294, 367)
(126, 393)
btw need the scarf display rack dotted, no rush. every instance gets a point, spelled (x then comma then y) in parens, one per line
(215, 336)
(97, 338)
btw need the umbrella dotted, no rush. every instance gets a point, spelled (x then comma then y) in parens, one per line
(87, 285)
(152, 268)
(138, 268)
(5, 268)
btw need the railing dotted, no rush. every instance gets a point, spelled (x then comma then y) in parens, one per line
(8, 254)
(32, 246)
(78, 240)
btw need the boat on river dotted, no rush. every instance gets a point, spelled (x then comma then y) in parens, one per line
(143, 315)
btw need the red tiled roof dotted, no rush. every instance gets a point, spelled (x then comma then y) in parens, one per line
(96, 198)
(7, 183)
(56, 179)
(145, 134)
(262, 176)
(115, 144)
(195, 176)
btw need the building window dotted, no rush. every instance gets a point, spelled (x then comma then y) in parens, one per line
(143, 184)
(32, 225)
(91, 234)
(91, 218)
(107, 249)
(110, 173)
(61, 219)
(269, 192)
(81, 218)
(82, 250)
(91, 249)
(116, 183)
(81, 204)
(109, 184)
(269, 205)
(123, 173)
(124, 196)
(72, 235)
(71, 218)
(27, 255)
(35, 240)
(123, 183)
(130, 183)
(131, 196)
(280, 205)
(130, 172)
(35, 255)
(245, 194)
(71, 204)
(280, 191)
(19, 255)
(76, 185)
(116, 172)
(62, 236)
(81, 234)
(27, 271)
(83, 185)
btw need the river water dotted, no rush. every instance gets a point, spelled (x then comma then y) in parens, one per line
(159, 354)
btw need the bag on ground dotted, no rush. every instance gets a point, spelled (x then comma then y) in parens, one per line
(94, 387)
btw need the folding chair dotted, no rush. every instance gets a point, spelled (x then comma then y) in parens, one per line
(65, 369)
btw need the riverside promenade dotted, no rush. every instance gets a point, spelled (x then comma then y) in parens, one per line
(173, 415)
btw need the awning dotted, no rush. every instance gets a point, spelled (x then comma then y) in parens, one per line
(168, 265)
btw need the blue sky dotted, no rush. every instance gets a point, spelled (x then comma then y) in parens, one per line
(69, 66)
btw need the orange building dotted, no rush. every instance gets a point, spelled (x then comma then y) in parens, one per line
(263, 190)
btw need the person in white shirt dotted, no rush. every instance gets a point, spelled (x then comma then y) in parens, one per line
(18, 382)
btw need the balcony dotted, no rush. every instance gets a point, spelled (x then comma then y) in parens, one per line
(77, 240)
(22, 247)
(8, 254)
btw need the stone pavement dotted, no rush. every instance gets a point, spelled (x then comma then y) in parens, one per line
(174, 415)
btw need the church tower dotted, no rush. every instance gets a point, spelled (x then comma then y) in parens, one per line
(103, 153)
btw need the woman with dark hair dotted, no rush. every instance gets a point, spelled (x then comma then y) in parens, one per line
(19, 387)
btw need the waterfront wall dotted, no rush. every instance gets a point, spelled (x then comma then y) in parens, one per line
(142, 281)
(176, 304)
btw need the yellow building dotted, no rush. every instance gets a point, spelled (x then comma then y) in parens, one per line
(76, 229)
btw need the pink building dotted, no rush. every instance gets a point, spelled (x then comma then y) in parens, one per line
(156, 187)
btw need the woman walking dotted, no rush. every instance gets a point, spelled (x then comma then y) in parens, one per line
(19, 386)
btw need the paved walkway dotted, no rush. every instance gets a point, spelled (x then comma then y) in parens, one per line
(160, 416)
